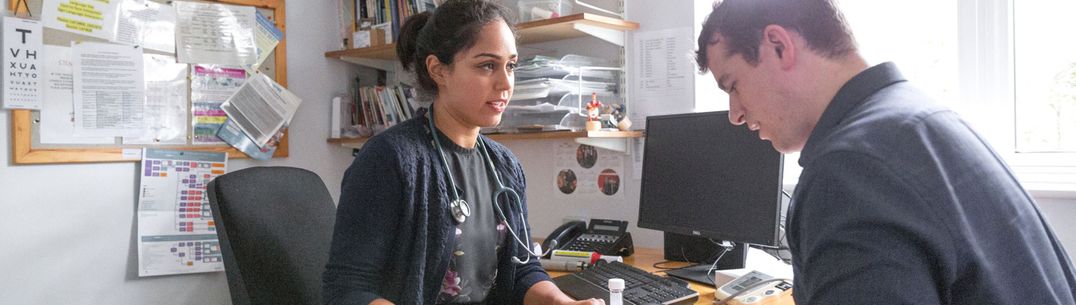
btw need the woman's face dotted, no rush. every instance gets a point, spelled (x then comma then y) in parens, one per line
(475, 89)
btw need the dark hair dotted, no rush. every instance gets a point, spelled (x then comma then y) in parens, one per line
(741, 22)
(451, 28)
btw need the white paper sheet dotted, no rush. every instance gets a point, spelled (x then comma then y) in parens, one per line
(638, 147)
(215, 34)
(166, 102)
(663, 83)
(266, 36)
(90, 18)
(261, 107)
(148, 24)
(22, 64)
(588, 170)
(211, 86)
(57, 110)
(176, 231)
(109, 91)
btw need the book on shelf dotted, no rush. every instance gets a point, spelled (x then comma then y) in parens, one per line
(387, 115)
(346, 13)
(336, 118)
(388, 14)
(380, 107)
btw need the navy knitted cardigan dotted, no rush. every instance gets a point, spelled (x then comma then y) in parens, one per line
(392, 237)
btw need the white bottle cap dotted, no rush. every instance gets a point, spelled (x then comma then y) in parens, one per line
(616, 284)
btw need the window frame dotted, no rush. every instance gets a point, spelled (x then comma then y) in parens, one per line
(987, 93)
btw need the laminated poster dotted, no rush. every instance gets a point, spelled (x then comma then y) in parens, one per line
(587, 170)
(176, 231)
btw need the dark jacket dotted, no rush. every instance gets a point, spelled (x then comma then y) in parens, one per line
(901, 202)
(393, 226)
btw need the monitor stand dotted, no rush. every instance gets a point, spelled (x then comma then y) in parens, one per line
(698, 250)
(696, 273)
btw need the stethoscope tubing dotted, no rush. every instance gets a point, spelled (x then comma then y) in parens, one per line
(509, 193)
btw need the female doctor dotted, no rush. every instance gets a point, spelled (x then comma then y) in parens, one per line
(432, 212)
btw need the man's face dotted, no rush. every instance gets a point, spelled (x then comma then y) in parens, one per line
(759, 96)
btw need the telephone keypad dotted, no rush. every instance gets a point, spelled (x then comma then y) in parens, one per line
(591, 242)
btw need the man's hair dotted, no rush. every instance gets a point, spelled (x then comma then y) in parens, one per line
(740, 23)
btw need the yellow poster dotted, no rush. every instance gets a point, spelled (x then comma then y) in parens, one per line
(95, 18)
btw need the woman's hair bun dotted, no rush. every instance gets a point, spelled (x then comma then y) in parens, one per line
(407, 43)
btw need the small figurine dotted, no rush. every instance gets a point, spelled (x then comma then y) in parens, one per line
(621, 116)
(593, 110)
(593, 107)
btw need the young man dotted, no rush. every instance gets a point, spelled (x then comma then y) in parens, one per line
(899, 202)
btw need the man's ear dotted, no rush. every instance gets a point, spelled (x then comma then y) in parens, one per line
(778, 40)
(437, 69)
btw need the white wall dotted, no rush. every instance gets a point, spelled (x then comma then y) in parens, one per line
(549, 208)
(1059, 213)
(68, 231)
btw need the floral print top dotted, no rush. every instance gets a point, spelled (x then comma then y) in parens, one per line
(472, 272)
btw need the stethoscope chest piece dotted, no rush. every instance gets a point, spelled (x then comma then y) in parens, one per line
(460, 210)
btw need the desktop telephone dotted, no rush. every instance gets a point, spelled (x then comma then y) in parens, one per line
(605, 236)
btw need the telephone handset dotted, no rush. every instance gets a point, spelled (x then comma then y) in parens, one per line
(605, 236)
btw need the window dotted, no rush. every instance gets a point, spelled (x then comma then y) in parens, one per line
(1018, 88)
(1045, 76)
(925, 49)
(1004, 65)
(1008, 67)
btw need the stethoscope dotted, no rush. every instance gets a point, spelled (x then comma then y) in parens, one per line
(461, 209)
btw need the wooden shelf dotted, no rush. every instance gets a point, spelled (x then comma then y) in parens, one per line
(566, 27)
(573, 26)
(358, 142)
(565, 135)
(386, 52)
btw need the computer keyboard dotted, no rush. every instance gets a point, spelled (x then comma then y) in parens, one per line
(640, 287)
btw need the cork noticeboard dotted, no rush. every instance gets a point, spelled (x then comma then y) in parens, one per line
(27, 149)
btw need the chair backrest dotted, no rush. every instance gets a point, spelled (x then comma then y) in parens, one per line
(275, 226)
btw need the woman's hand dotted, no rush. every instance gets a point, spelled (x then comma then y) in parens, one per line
(587, 302)
(545, 292)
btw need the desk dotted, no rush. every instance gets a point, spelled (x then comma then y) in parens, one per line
(644, 258)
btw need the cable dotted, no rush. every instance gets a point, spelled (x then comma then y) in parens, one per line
(745, 290)
(683, 258)
(655, 265)
(709, 273)
(776, 251)
(716, 254)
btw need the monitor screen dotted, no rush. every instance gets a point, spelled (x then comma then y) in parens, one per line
(703, 176)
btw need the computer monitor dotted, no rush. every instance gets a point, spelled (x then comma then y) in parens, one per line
(703, 176)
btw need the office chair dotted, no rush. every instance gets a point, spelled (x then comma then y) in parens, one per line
(275, 226)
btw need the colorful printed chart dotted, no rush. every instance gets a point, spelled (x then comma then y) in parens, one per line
(176, 231)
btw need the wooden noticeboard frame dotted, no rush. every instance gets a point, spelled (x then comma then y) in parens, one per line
(23, 151)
